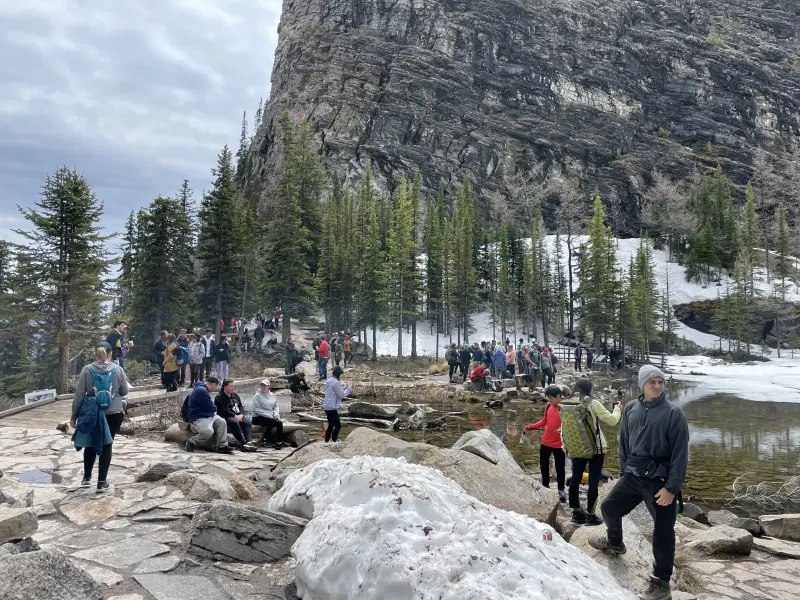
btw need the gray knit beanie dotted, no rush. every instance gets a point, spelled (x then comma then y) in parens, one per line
(648, 372)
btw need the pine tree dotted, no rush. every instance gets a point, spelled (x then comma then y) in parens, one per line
(311, 182)
(596, 276)
(667, 319)
(66, 262)
(371, 260)
(749, 237)
(123, 301)
(219, 249)
(783, 261)
(464, 284)
(258, 118)
(505, 287)
(186, 275)
(643, 298)
(244, 147)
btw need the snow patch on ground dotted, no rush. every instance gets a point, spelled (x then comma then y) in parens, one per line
(385, 529)
(775, 381)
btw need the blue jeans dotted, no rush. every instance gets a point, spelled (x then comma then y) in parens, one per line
(258, 346)
(323, 368)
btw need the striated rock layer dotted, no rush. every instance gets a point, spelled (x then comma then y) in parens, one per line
(480, 87)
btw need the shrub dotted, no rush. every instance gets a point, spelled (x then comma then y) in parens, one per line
(664, 133)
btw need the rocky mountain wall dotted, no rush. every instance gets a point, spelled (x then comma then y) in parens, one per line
(609, 89)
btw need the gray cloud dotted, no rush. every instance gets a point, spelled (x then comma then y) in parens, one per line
(136, 95)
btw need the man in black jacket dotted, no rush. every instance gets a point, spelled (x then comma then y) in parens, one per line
(230, 407)
(653, 457)
(465, 357)
(158, 350)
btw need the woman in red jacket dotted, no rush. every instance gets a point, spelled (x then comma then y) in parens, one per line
(478, 377)
(551, 440)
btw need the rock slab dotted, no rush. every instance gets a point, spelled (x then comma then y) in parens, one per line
(365, 410)
(45, 575)
(158, 471)
(17, 523)
(722, 539)
(180, 587)
(226, 531)
(777, 547)
(124, 553)
(785, 527)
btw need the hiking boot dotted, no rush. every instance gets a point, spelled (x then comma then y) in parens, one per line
(593, 520)
(225, 450)
(189, 447)
(85, 483)
(600, 542)
(578, 517)
(102, 487)
(562, 496)
(657, 589)
(249, 447)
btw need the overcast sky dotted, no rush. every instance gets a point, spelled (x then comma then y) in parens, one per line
(136, 95)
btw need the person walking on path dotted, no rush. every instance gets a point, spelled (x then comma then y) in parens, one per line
(209, 348)
(334, 392)
(258, 336)
(596, 412)
(451, 356)
(551, 440)
(196, 351)
(323, 351)
(578, 356)
(267, 414)
(204, 420)
(229, 407)
(653, 457)
(102, 385)
(222, 354)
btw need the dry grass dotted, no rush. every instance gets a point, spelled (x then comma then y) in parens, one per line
(406, 366)
(422, 394)
(687, 579)
(766, 497)
(438, 368)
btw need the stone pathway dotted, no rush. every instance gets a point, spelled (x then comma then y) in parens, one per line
(132, 540)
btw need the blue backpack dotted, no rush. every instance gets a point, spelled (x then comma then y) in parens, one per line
(183, 356)
(102, 382)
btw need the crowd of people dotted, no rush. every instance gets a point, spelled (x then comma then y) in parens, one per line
(336, 348)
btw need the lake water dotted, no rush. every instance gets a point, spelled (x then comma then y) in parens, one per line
(728, 437)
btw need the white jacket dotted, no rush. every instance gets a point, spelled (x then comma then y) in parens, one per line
(196, 353)
(266, 405)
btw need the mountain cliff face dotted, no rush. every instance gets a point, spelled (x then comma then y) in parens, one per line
(607, 88)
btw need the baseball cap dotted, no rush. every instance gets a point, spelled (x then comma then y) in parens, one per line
(265, 382)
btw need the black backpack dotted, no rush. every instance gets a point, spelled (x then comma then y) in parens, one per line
(185, 409)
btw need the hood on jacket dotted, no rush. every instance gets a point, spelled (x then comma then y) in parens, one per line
(103, 367)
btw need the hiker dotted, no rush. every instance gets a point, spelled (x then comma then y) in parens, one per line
(97, 418)
(533, 364)
(498, 362)
(229, 407)
(334, 392)
(545, 368)
(209, 350)
(222, 354)
(653, 456)
(478, 377)
(204, 420)
(323, 350)
(464, 358)
(336, 349)
(116, 340)
(578, 356)
(511, 359)
(451, 356)
(586, 445)
(347, 346)
(267, 414)
(551, 440)
(522, 360)
(288, 368)
(196, 351)
(487, 356)
(158, 350)
(170, 371)
(477, 353)
(589, 359)
(183, 359)
(258, 336)
(297, 383)
(272, 341)
(315, 347)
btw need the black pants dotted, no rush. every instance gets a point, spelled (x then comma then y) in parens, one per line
(196, 373)
(578, 363)
(348, 358)
(241, 430)
(205, 371)
(510, 369)
(479, 384)
(464, 369)
(334, 425)
(183, 375)
(89, 454)
(268, 425)
(547, 376)
(626, 495)
(579, 465)
(544, 463)
(169, 379)
(453, 367)
(299, 387)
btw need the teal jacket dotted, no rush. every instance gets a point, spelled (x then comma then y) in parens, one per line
(92, 428)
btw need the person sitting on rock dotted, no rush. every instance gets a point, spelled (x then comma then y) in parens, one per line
(297, 383)
(204, 420)
(551, 440)
(653, 458)
(229, 407)
(478, 377)
(267, 414)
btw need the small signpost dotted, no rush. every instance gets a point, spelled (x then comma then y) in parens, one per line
(39, 395)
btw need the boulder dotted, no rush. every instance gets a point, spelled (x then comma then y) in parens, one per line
(243, 487)
(206, 488)
(45, 575)
(14, 494)
(720, 539)
(692, 511)
(691, 523)
(178, 435)
(296, 438)
(750, 525)
(785, 527)
(720, 517)
(365, 410)
(158, 471)
(488, 446)
(24, 545)
(232, 532)
(182, 479)
(17, 523)
(778, 547)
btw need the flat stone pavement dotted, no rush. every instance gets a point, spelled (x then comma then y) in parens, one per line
(132, 540)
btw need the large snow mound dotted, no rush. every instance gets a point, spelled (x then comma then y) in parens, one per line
(385, 529)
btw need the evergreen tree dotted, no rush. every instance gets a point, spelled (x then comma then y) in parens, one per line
(596, 276)
(244, 146)
(219, 249)
(464, 284)
(749, 237)
(123, 300)
(559, 286)
(186, 274)
(643, 299)
(311, 182)
(783, 261)
(371, 260)
(66, 261)
(259, 117)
